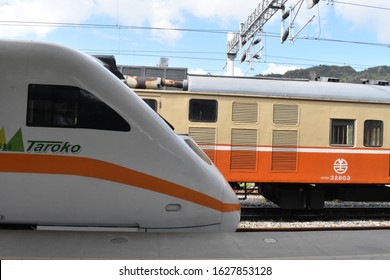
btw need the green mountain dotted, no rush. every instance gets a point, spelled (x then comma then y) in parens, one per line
(344, 73)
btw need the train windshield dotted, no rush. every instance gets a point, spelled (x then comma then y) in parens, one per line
(70, 107)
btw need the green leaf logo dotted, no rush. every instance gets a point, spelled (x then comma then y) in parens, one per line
(13, 145)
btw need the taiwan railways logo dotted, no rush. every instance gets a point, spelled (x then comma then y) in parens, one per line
(15, 144)
(340, 166)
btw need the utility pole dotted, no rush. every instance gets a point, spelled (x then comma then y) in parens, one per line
(250, 35)
(291, 13)
(249, 30)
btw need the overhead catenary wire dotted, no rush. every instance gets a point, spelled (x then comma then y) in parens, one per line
(298, 61)
(107, 26)
(213, 55)
(198, 30)
(214, 31)
(359, 5)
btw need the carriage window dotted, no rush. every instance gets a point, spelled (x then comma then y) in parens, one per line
(373, 133)
(70, 107)
(152, 103)
(342, 132)
(203, 110)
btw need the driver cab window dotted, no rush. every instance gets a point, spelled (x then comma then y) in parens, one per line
(70, 107)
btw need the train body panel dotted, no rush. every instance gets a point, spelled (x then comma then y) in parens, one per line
(262, 151)
(108, 161)
(285, 131)
(313, 166)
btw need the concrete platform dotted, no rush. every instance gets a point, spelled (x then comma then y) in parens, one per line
(352, 245)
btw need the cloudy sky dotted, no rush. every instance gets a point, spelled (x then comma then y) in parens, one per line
(193, 34)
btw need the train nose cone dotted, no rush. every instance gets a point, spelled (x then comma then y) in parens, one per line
(231, 213)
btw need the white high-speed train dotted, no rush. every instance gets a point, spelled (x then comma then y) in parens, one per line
(79, 149)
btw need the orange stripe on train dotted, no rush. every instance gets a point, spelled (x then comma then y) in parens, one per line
(87, 167)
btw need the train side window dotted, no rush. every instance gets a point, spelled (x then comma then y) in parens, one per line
(373, 133)
(70, 107)
(203, 110)
(342, 132)
(152, 103)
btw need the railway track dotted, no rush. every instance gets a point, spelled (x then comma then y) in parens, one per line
(314, 228)
(326, 214)
(329, 219)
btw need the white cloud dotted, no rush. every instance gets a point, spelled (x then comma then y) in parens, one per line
(238, 72)
(278, 69)
(197, 71)
(40, 11)
(355, 12)
(220, 10)
(374, 20)
(200, 71)
(149, 13)
(169, 14)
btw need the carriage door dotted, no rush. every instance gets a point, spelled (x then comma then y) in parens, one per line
(203, 116)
